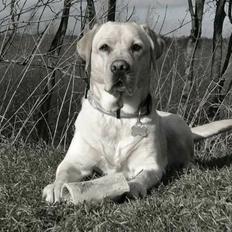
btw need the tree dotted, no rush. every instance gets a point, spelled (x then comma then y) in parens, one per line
(54, 51)
(193, 41)
(89, 17)
(226, 62)
(216, 71)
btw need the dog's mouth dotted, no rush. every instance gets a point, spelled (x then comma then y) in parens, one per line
(122, 88)
(122, 85)
(119, 86)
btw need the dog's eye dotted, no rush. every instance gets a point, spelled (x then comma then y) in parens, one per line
(136, 48)
(104, 48)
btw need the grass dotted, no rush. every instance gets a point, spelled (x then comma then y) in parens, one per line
(197, 199)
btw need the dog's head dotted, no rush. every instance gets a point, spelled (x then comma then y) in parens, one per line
(121, 57)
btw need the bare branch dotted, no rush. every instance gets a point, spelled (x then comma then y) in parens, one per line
(230, 11)
(111, 10)
(190, 4)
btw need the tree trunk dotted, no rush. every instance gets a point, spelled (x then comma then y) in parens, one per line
(229, 51)
(111, 10)
(89, 18)
(196, 19)
(216, 89)
(227, 59)
(87, 24)
(54, 51)
(224, 91)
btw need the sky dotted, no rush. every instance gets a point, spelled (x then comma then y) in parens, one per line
(168, 15)
(164, 16)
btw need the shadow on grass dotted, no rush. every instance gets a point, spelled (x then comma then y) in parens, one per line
(214, 162)
(171, 175)
(174, 173)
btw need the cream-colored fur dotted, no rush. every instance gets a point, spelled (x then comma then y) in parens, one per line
(105, 142)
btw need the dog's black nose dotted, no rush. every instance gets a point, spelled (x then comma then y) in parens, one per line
(119, 66)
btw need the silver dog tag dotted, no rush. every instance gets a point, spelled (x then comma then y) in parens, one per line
(139, 130)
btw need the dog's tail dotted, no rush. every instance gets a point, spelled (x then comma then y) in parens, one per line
(211, 129)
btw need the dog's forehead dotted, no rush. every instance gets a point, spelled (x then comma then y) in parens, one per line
(120, 31)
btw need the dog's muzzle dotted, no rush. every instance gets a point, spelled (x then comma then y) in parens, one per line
(119, 69)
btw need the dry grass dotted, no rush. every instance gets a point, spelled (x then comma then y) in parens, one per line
(21, 87)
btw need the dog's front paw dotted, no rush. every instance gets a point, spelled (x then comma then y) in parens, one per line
(136, 190)
(52, 192)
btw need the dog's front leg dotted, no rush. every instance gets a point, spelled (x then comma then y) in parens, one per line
(143, 182)
(78, 163)
(66, 172)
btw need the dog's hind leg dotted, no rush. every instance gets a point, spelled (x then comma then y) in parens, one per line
(144, 181)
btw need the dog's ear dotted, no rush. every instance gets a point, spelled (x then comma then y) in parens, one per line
(157, 43)
(84, 45)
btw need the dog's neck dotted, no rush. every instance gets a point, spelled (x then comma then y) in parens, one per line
(120, 106)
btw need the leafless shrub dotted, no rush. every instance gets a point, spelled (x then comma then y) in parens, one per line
(41, 78)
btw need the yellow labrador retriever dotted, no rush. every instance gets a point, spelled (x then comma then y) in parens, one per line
(117, 130)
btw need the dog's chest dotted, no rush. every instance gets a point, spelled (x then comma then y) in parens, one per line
(112, 142)
(110, 137)
(116, 150)
(115, 146)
